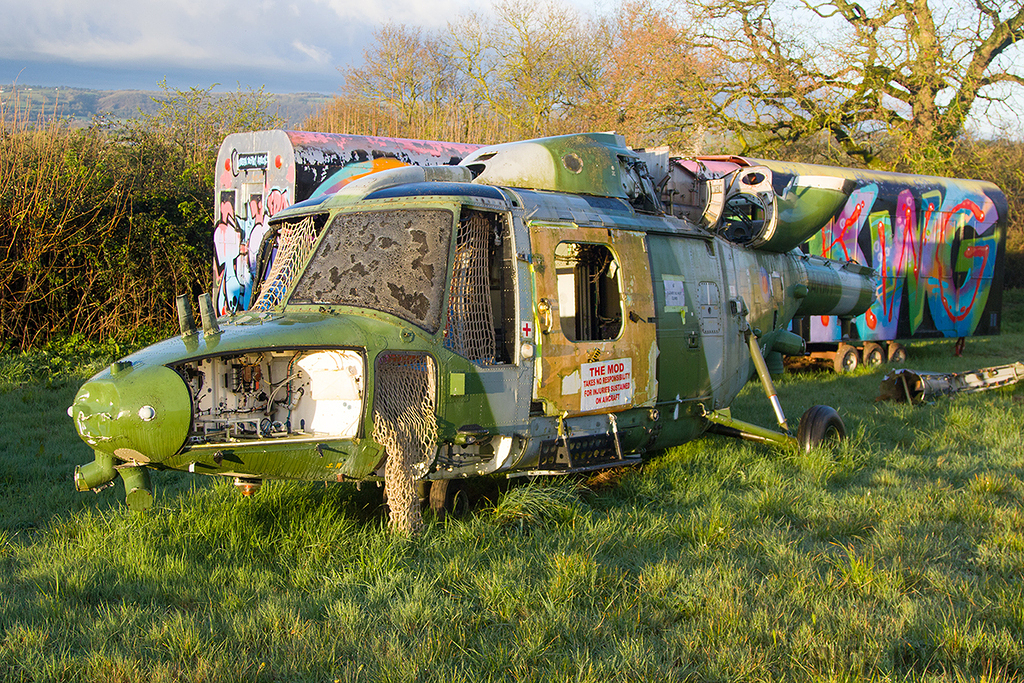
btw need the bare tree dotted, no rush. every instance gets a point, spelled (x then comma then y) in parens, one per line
(901, 76)
(649, 81)
(530, 63)
(410, 72)
(195, 121)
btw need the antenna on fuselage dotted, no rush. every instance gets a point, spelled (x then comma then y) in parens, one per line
(209, 317)
(186, 322)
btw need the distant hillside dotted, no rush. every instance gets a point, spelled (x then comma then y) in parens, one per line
(81, 105)
(297, 107)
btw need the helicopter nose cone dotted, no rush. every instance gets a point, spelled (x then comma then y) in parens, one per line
(137, 414)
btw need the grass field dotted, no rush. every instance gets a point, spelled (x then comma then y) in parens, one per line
(898, 557)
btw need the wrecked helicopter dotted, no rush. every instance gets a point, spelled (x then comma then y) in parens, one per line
(533, 310)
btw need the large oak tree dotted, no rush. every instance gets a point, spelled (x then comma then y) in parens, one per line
(886, 76)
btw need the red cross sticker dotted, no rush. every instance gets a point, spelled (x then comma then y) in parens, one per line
(527, 329)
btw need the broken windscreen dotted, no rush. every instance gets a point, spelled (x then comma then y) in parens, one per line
(390, 261)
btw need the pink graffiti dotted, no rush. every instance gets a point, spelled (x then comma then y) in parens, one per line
(841, 240)
(887, 306)
(237, 241)
(229, 249)
(905, 226)
(277, 201)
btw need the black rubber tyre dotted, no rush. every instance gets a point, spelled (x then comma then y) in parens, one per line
(897, 353)
(820, 425)
(874, 354)
(847, 359)
(447, 497)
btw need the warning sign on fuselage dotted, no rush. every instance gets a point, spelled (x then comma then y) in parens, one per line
(606, 384)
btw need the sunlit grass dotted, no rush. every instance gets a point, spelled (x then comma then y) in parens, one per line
(897, 556)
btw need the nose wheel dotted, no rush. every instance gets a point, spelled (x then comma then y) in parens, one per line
(448, 497)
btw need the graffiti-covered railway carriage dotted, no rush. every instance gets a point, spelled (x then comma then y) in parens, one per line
(261, 173)
(938, 245)
(532, 310)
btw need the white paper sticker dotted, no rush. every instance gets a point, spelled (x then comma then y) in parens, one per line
(606, 384)
(675, 297)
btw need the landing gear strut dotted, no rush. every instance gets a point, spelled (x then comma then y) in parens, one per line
(819, 426)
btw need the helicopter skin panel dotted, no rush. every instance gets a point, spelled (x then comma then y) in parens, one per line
(596, 317)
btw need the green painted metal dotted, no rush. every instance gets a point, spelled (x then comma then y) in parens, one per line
(137, 489)
(833, 286)
(134, 411)
(290, 391)
(749, 431)
(96, 473)
(593, 164)
(788, 343)
(766, 381)
(803, 210)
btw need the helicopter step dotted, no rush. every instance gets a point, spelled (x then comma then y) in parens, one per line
(579, 452)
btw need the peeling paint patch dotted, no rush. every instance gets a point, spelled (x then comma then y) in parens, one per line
(571, 384)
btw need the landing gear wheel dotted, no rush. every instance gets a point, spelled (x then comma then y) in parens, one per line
(447, 497)
(847, 359)
(874, 354)
(897, 353)
(820, 425)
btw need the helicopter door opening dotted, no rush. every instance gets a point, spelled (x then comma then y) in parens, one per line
(482, 326)
(481, 322)
(589, 303)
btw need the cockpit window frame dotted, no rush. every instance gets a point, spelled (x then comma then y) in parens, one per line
(422, 258)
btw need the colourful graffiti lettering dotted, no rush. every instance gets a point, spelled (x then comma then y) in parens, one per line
(882, 318)
(838, 240)
(957, 302)
(942, 256)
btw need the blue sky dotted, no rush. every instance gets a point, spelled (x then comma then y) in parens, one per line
(285, 45)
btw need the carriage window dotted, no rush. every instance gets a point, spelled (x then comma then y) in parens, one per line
(589, 302)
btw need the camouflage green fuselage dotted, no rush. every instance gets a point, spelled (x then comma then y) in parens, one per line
(536, 331)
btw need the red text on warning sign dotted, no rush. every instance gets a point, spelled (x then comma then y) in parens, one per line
(606, 384)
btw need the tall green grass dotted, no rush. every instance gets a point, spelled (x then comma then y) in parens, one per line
(898, 556)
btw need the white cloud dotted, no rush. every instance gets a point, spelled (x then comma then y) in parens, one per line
(425, 13)
(317, 54)
(286, 39)
(189, 33)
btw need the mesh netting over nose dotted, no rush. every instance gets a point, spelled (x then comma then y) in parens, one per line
(405, 424)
